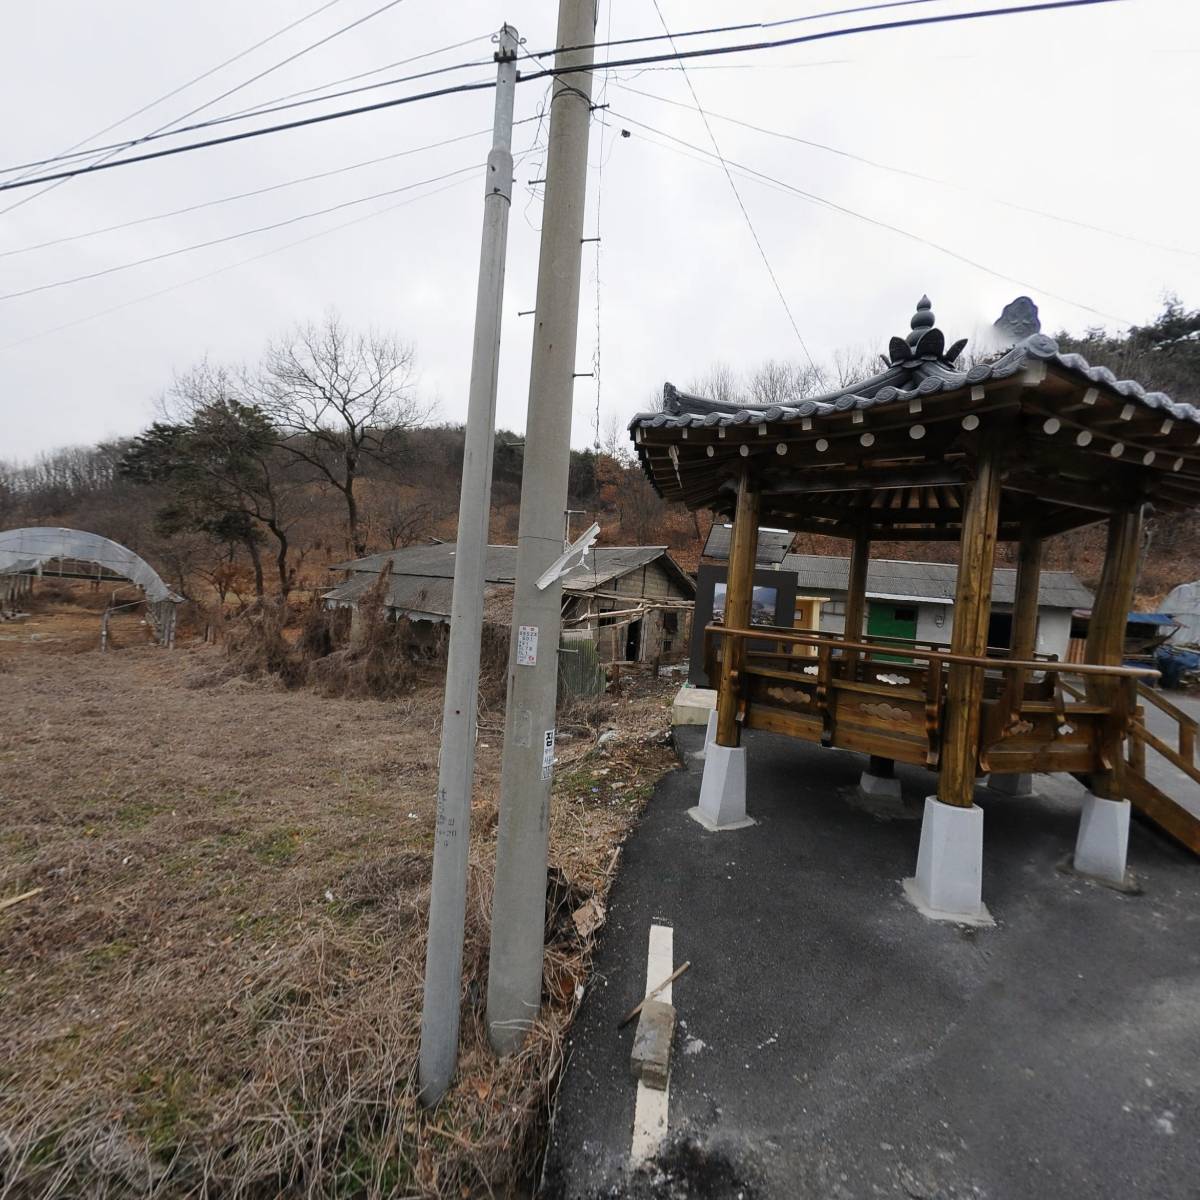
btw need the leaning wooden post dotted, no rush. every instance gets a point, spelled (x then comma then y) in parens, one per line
(723, 788)
(856, 591)
(739, 592)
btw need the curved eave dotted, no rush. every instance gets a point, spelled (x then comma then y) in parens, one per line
(1096, 438)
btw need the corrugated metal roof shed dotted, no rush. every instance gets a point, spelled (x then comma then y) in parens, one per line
(927, 581)
(772, 544)
(422, 577)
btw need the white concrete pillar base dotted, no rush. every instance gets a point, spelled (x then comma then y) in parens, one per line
(948, 885)
(1017, 786)
(879, 787)
(722, 790)
(1103, 840)
(710, 730)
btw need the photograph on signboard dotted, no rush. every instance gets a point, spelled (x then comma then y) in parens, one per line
(762, 605)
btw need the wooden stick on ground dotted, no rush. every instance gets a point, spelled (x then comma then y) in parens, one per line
(633, 1012)
(8, 903)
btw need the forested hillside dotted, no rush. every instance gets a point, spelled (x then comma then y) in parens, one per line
(255, 479)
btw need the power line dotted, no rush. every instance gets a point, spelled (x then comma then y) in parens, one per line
(201, 77)
(688, 33)
(105, 160)
(231, 237)
(403, 62)
(780, 184)
(33, 337)
(825, 35)
(712, 137)
(246, 114)
(602, 103)
(882, 166)
(253, 133)
(274, 187)
(291, 58)
(553, 72)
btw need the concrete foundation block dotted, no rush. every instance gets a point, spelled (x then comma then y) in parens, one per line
(692, 705)
(948, 885)
(651, 1057)
(710, 730)
(722, 789)
(1017, 786)
(880, 787)
(1103, 840)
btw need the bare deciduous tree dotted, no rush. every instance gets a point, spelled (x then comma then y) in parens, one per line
(338, 398)
(778, 381)
(719, 382)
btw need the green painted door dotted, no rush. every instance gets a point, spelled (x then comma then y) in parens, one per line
(887, 620)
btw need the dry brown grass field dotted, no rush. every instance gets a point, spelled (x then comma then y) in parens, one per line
(216, 990)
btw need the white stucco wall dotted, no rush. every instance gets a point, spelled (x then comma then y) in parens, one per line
(935, 623)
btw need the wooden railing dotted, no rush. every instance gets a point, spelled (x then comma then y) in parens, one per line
(858, 695)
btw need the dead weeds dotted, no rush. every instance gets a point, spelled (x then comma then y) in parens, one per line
(218, 992)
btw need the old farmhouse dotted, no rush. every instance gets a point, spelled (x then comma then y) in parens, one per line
(635, 601)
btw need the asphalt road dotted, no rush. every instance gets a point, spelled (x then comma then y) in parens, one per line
(835, 1044)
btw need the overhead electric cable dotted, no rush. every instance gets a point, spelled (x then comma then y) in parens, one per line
(253, 133)
(291, 58)
(882, 166)
(402, 62)
(33, 337)
(273, 187)
(812, 197)
(688, 33)
(201, 77)
(825, 35)
(231, 237)
(712, 137)
(246, 114)
(105, 160)
(552, 72)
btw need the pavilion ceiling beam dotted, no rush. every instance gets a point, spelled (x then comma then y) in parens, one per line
(858, 480)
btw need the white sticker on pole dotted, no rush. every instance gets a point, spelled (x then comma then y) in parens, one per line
(548, 754)
(527, 638)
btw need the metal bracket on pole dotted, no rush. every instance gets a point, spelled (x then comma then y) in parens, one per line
(564, 562)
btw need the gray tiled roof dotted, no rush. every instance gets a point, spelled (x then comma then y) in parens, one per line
(772, 544)
(902, 381)
(422, 568)
(927, 581)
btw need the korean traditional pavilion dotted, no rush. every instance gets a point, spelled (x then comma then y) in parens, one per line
(1030, 445)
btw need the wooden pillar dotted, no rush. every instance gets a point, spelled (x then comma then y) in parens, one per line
(1114, 597)
(1106, 629)
(1025, 603)
(856, 590)
(739, 591)
(972, 608)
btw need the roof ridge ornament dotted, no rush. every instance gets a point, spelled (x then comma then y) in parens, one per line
(926, 343)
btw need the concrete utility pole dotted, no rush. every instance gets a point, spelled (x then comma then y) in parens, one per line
(456, 768)
(519, 903)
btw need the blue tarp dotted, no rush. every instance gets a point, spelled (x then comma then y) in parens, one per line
(1140, 618)
(1173, 661)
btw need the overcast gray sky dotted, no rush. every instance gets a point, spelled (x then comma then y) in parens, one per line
(1088, 114)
